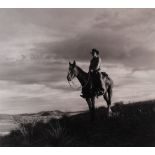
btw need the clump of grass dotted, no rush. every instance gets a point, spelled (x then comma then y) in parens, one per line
(34, 132)
(26, 127)
(57, 135)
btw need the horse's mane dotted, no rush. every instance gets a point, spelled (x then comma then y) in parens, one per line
(81, 70)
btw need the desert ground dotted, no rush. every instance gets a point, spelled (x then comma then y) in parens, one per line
(130, 125)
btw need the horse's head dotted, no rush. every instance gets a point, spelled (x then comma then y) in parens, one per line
(72, 71)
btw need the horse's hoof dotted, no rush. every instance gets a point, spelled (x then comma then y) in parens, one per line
(110, 113)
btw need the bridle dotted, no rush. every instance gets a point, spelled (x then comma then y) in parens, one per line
(71, 81)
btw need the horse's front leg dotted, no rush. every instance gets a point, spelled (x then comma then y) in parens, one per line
(89, 103)
(91, 108)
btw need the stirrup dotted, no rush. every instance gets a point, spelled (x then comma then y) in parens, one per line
(82, 95)
(101, 93)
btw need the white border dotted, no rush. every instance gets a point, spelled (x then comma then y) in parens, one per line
(77, 3)
(78, 151)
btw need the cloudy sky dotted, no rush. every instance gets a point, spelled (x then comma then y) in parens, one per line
(36, 45)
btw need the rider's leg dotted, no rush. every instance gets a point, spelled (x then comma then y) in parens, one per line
(102, 85)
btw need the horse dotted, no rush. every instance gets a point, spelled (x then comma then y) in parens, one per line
(85, 81)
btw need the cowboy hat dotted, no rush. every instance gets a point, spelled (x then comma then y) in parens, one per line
(94, 51)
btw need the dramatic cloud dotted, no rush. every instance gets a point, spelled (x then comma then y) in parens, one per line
(36, 45)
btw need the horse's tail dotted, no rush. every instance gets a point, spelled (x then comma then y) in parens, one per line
(110, 83)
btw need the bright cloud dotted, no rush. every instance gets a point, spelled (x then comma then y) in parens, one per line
(36, 45)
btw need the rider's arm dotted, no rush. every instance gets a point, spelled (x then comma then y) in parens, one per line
(99, 63)
(90, 66)
(95, 65)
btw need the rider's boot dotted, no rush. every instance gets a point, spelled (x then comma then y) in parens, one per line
(102, 91)
(82, 95)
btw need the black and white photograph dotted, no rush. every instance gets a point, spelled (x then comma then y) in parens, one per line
(77, 77)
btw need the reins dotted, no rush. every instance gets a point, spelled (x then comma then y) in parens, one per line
(79, 86)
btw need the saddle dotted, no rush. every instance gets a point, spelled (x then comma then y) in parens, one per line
(94, 86)
(104, 74)
(97, 86)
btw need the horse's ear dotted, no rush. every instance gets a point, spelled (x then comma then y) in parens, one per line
(69, 63)
(74, 63)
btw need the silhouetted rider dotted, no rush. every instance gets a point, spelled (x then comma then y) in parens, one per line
(95, 73)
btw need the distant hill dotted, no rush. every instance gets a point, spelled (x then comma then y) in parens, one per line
(131, 125)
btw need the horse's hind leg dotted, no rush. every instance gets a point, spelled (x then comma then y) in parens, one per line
(109, 103)
(108, 100)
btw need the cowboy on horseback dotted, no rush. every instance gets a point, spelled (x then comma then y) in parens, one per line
(96, 76)
(95, 73)
(92, 82)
